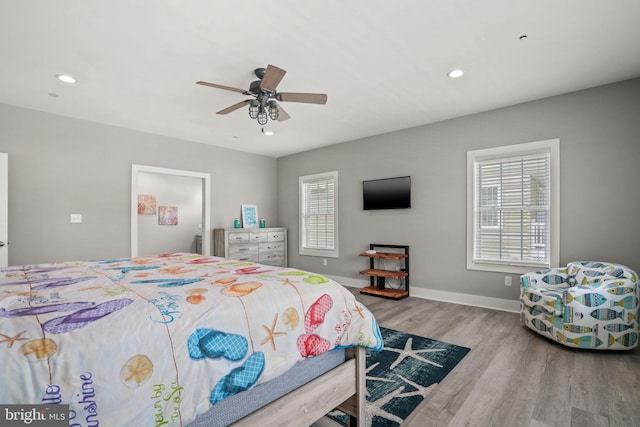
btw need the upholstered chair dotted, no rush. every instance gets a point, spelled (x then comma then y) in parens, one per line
(585, 305)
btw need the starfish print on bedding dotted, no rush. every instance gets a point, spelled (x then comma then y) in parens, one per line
(11, 340)
(271, 333)
(358, 309)
(408, 351)
(288, 282)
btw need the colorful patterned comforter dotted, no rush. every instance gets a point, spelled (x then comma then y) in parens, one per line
(157, 340)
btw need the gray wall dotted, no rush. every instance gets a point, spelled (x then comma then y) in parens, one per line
(599, 131)
(59, 166)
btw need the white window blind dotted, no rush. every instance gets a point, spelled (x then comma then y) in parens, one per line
(512, 212)
(318, 219)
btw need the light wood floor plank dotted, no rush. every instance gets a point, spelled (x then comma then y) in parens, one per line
(513, 376)
(580, 418)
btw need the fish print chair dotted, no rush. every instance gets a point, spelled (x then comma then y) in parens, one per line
(585, 305)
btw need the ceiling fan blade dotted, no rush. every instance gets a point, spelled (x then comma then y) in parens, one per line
(272, 78)
(309, 98)
(233, 89)
(282, 115)
(234, 107)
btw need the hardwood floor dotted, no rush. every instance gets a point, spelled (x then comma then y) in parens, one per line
(513, 376)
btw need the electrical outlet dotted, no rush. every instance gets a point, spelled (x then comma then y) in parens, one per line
(507, 280)
(76, 218)
(324, 261)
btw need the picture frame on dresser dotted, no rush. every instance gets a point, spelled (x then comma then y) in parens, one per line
(249, 216)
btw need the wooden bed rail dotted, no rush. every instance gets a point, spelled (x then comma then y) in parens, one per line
(343, 387)
(355, 405)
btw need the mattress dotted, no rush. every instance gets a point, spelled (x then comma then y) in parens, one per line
(161, 340)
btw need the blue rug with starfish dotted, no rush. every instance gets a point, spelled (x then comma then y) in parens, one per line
(401, 375)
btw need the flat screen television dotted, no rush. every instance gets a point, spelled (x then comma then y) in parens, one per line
(387, 193)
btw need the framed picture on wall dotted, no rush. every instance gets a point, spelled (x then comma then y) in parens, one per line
(168, 215)
(146, 204)
(249, 216)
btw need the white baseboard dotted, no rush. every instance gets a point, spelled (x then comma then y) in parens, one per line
(444, 296)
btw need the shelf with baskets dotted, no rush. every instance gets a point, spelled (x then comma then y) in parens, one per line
(378, 255)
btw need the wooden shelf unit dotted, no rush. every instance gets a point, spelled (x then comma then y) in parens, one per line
(378, 276)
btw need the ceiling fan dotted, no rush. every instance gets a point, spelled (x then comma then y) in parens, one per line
(264, 105)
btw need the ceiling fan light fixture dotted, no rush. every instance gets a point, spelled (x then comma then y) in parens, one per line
(264, 106)
(254, 109)
(273, 110)
(262, 118)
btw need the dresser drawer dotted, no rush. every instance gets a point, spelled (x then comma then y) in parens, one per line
(238, 237)
(236, 251)
(257, 236)
(248, 257)
(275, 236)
(272, 258)
(272, 247)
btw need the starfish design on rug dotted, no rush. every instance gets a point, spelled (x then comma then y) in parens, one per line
(271, 333)
(420, 390)
(370, 378)
(403, 375)
(408, 351)
(10, 340)
(375, 408)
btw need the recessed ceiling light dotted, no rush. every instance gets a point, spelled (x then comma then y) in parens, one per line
(454, 74)
(65, 78)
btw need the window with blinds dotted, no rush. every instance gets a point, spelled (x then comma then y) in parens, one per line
(318, 214)
(512, 215)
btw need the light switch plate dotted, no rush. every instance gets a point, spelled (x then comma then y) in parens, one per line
(76, 218)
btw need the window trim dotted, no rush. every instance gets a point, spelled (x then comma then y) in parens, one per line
(551, 146)
(302, 250)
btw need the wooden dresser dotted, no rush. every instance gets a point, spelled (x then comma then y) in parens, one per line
(261, 245)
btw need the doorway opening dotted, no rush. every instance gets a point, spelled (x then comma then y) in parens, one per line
(138, 173)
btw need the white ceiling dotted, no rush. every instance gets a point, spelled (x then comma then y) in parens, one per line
(383, 64)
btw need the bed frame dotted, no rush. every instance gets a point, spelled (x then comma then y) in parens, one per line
(343, 388)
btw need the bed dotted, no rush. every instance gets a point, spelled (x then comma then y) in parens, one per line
(177, 339)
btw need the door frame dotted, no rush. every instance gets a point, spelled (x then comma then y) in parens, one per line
(206, 201)
(4, 209)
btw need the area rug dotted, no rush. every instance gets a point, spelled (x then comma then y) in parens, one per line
(401, 375)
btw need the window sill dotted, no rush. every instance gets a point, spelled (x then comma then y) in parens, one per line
(319, 253)
(505, 268)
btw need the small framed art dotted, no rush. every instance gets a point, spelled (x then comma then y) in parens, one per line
(146, 204)
(249, 216)
(168, 215)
